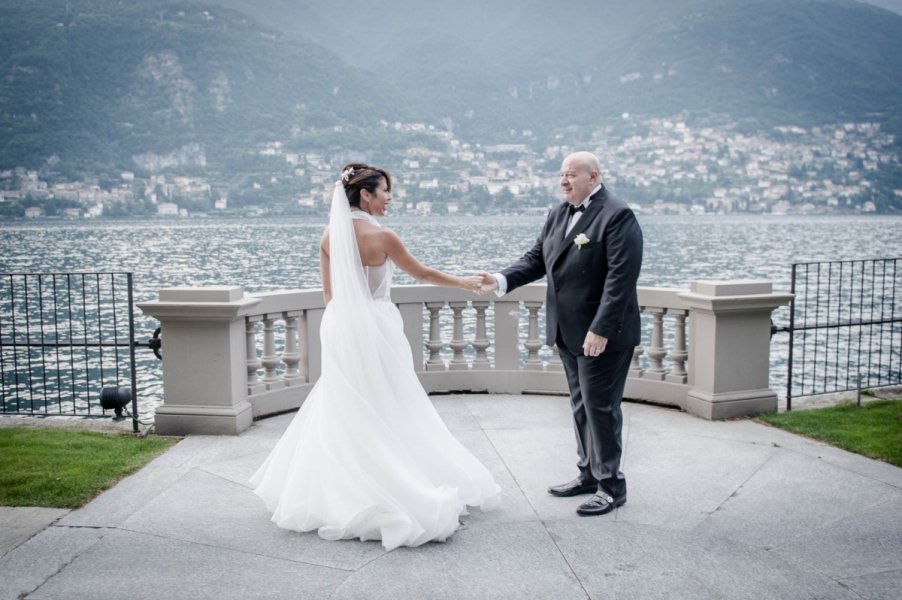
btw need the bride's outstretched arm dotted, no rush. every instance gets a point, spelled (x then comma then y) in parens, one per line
(401, 256)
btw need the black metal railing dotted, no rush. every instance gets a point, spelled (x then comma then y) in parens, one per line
(66, 339)
(845, 327)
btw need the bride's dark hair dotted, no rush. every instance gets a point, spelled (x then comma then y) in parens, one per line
(361, 176)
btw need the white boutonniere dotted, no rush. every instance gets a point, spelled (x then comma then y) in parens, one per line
(580, 241)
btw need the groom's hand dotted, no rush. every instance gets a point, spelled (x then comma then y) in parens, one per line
(489, 283)
(594, 344)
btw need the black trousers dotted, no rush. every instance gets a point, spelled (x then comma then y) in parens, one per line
(596, 391)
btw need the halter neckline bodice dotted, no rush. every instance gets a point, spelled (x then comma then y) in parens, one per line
(365, 216)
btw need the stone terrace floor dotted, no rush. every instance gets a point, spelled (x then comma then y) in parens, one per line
(732, 509)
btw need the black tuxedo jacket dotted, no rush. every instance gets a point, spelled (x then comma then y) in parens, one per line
(590, 287)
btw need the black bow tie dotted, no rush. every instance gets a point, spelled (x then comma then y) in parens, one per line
(576, 209)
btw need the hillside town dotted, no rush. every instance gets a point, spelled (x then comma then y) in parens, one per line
(660, 166)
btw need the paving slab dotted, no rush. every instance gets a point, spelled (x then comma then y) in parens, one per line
(878, 586)
(42, 558)
(269, 428)
(23, 522)
(642, 562)
(862, 543)
(119, 503)
(703, 472)
(455, 411)
(512, 560)
(536, 459)
(207, 510)
(517, 412)
(756, 432)
(200, 450)
(237, 470)
(514, 504)
(791, 496)
(138, 566)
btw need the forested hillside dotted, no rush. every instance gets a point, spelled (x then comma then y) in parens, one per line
(100, 85)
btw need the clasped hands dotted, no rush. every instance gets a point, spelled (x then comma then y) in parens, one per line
(481, 283)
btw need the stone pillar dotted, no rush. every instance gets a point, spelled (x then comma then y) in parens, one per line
(729, 347)
(507, 336)
(481, 339)
(204, 362)
(412, 315)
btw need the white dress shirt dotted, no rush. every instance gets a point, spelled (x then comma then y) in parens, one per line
(501, 280)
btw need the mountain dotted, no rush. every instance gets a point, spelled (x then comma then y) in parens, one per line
(891, 5)
(228, 88)
(105, 85)
(486, 66)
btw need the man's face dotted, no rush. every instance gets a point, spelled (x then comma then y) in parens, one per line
(577, 180)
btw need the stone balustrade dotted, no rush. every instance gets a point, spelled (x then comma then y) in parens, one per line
(230, 357)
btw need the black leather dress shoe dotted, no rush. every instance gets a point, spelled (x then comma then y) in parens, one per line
(600, 504)
(573, 488)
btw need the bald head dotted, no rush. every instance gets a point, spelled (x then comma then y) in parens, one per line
(586, 160)
(580, 174)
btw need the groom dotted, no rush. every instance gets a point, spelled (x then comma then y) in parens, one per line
(590, 249)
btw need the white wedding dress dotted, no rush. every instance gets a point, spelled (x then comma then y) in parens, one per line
(367, 456)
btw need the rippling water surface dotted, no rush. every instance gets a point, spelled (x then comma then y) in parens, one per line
(268, 254)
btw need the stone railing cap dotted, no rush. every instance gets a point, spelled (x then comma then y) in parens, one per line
(213, 293)
(735, 287)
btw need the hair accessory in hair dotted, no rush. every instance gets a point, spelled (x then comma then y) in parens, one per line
(346, 175)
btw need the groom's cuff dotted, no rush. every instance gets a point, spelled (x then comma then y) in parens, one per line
(501, 280)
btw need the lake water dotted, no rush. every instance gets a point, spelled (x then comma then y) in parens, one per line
(270, 254)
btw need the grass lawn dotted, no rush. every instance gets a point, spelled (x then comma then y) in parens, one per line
(874, 429)
(57, 468)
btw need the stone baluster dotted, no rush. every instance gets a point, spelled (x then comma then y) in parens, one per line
(636, 369)
(303, 347)
(458, 343)
(554, 362)
(656, 352)
(253, 362)
(533, 343)
(291, 356)
(269, 358)
(481, 341)
(678, 353)
(434, 363)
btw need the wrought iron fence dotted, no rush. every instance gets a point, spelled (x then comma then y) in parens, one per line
(67, 344)
(845, 327)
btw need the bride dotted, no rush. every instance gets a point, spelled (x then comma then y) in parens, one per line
(367, 456)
